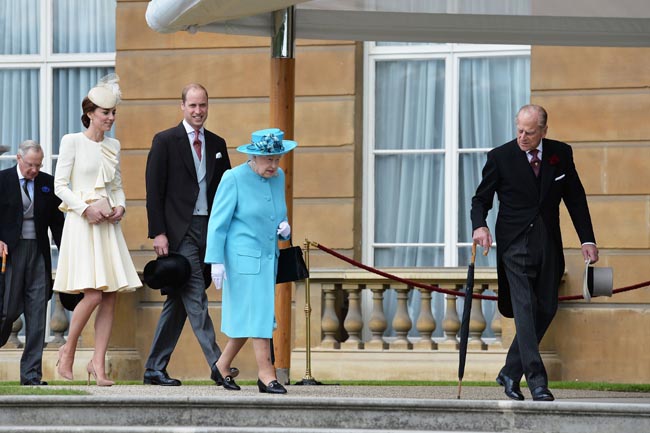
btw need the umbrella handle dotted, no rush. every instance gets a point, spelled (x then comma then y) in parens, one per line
(4, 261)
(473, 252)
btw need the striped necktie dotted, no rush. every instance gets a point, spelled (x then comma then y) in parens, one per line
(25, 182)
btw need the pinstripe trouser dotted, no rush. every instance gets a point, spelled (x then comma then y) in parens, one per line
(531, 268)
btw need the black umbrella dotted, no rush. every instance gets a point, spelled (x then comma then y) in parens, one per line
(464, 324)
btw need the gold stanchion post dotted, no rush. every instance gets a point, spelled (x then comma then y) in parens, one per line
(308, 379)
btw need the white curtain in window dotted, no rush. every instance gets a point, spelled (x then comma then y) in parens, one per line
(409, 188)
(409, 192)
(19, 27)
(492, 89)
(19, 115)
(84, 26)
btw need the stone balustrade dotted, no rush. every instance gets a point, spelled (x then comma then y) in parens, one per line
(364, 318)
(349, 301)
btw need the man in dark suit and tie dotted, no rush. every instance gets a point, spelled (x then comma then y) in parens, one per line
(184, 168)
(28, 207)
(530, 176)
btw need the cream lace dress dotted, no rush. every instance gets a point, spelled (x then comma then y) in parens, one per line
(92, 255)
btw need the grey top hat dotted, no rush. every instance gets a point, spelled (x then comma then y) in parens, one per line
(597, 282)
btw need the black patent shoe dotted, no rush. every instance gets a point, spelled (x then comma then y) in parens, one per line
(216, 377)
(227, 382)
(510, 387)
(542, 393)
(273, 387)
(159, 377)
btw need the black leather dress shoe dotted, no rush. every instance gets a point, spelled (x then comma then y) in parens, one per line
(34, 382)
(542, 393)
(214, 375)
(273, 387)
(227, 382)
(159, 377)
(510, 387)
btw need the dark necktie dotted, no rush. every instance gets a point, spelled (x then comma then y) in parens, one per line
(25, 181)
(535, 161)
(197, 144)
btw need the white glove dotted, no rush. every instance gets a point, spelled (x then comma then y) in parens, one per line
(284, 229)
(218, 273)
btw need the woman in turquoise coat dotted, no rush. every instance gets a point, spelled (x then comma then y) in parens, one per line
(248, 216)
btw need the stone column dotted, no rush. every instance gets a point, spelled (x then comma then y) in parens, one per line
(426, 323)
(330, 321)
(353, 322)
(402, 322)
(377, 322)
(450, 324)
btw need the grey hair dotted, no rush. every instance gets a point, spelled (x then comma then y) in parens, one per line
(28, 145)
(542, 115)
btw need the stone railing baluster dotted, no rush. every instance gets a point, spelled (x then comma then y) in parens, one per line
(477, 323)
(496, 325)
(377, 323)
(402, 323)
(329, 321)
(353, 322)
(426, 323)
(450, 324)
(58, 323)
(13, 340)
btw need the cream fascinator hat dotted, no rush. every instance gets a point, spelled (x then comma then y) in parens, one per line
(106, 94)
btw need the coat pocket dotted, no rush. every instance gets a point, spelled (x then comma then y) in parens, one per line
(248, 261)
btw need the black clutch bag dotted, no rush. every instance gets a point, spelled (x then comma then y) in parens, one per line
(291, 265)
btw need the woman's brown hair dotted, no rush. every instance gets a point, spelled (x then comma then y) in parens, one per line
(87, 106)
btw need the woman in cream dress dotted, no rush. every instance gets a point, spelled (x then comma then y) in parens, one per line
(94, 258)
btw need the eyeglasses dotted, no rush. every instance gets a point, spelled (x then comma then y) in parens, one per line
(28, 165)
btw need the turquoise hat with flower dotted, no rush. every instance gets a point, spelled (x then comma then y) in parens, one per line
(266, 142)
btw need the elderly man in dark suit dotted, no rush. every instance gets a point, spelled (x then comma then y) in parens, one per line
(530, 176)
(28, 207)
(184, 168)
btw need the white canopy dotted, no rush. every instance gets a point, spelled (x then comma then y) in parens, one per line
(526, 22)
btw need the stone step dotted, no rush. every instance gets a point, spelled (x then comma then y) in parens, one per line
(293, 414)
(118, 429)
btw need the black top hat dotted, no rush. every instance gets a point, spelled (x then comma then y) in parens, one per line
(70, 300)
(167, 273)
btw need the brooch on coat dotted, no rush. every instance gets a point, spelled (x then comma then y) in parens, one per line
(554, 159)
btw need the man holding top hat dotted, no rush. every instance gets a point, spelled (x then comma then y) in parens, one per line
(530, 176)
(184, 168)
(28, 207)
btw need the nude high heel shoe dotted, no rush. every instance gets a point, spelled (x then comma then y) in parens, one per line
(90, 368)
(64, 373)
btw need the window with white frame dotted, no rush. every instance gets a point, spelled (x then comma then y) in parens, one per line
(51, 53)
(431, 114)
(432, 111)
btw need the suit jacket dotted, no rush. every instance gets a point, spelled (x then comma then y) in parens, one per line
(172, 184)
(46, 213)
(507, 173)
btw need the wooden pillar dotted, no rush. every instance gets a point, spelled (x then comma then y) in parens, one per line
(282, 92)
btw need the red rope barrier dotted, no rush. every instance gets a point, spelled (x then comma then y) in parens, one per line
(446, 291)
